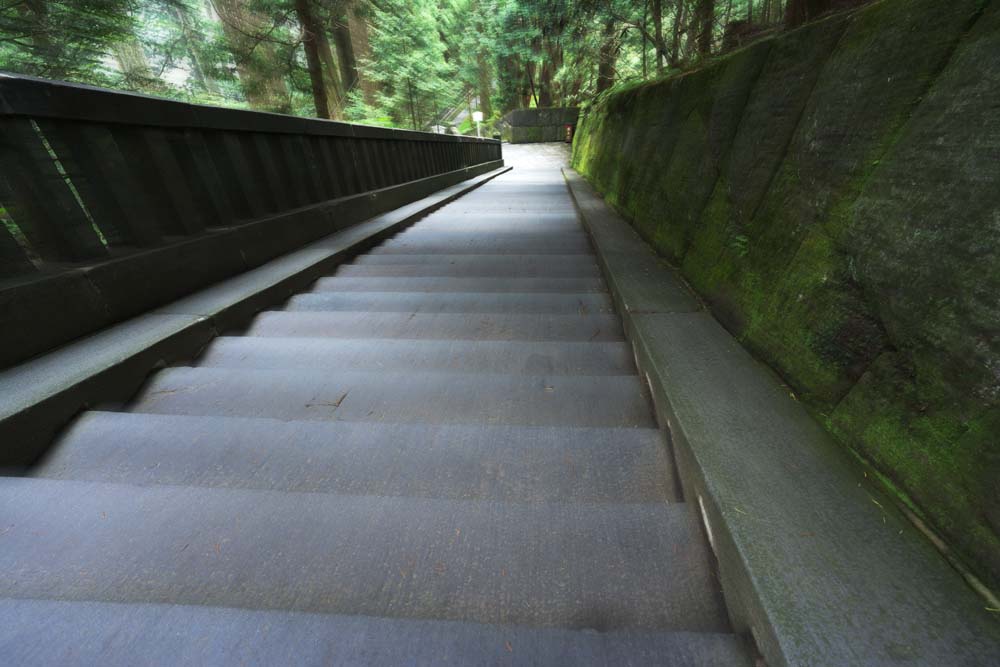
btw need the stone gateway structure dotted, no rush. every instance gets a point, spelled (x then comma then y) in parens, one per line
(531, 126)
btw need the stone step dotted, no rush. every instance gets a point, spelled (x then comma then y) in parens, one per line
(429, 398)
(123, 635)
(453, 302)
(441, 326)
(578, 566)
(485, 266)
(513, 463)
(395, 355)
(495, 243)
(509, 284)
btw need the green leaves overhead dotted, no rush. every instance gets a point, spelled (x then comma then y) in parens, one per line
(414, 64)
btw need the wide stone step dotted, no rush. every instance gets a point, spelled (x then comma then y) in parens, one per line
(485, 266)
(577, 566)
(432, 398)
(497, 243)
(490, 222)
(458, 356)
(113, 635)
(442, 326)
(453, 302)
(459, 462)
(509, 284)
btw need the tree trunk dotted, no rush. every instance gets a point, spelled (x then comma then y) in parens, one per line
(357, 25)
(133, 64)
(263, 86)
(529, 70)
(485, 84)
(545, 84)
(675, 47)
(606, 61)
(800, 11)
(706, 26)
(658, 35)
(310, 32)
(346, 59)
(192, 42)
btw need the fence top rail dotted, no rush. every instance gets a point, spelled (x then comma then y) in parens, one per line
(42, 98)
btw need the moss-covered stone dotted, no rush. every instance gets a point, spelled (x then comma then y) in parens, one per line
(833, 194)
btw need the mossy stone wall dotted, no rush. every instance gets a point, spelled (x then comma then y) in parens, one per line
(834, 195)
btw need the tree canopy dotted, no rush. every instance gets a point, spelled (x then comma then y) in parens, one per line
(406, 63)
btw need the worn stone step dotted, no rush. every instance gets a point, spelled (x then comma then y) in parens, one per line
(580, 566)
(453, 302)
(457, 356)
(508, 284)
(521, 266)
(443, 326)
(431, 398)
(488, 222)
(496, 243)
(120, 635)
(459, 462)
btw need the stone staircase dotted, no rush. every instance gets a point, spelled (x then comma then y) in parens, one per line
(441, 454)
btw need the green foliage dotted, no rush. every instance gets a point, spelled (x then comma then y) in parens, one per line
(414, 77)
(386, 62)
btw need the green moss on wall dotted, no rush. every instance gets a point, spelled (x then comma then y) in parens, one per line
(832, 195)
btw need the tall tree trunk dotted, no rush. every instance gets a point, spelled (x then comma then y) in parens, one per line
(262, 85)
(706, 26)
(346, 59)
(658, 35)
(133, 64)
(799, 11)
(529, 70)
(606, 58)
(310, 42)
(545, 84)
(357, 25)
(413, 106)
(675, 46)
(485, 84)
(192, 42)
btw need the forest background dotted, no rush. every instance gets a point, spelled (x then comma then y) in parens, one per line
(415, 64)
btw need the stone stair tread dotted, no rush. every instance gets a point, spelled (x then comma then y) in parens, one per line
(459, 356)
(441, 326)
(458, 398)
(115, 635)
(453, 302)
(522, 464)
(508, 284)
(577, 566)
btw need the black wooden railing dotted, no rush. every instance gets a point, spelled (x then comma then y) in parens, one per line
(90, 176)
(85, 171)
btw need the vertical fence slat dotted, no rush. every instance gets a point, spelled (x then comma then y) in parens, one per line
(349, 172)
(262, 173)
(329, 169)
(311, 169)
(13, 259)
(203, 178)
(157, 165)
(291, 164)
(111, 190)
(42, 204)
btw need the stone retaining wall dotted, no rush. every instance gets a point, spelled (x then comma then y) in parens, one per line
(833, 194)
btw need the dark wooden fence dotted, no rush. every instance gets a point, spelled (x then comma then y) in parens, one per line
(89, 176)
